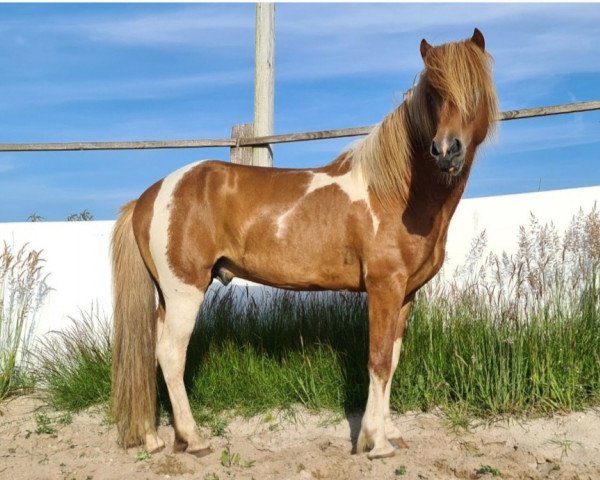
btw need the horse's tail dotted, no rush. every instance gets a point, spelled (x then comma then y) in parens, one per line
(134, 336)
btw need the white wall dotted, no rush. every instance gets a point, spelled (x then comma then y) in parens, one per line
(77, 253)
(502, 215)
(76, 258)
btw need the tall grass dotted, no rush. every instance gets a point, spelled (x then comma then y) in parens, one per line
(73, 365)
(505, 334)
(22, 289)
(539, 364)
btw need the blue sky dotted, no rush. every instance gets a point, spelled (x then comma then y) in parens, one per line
(77, 72)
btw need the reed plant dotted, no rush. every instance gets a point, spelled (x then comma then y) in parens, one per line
(22, 290)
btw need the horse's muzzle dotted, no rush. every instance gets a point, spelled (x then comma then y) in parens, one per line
(449, 155)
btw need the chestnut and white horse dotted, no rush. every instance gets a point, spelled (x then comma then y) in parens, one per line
(374, 219)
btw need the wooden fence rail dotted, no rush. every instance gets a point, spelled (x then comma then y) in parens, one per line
(284, 138)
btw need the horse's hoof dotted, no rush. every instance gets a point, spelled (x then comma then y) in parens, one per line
(201, 453)
(154, 443)
(398, 442)
(386, 451)
(158, 448)
(179, 446)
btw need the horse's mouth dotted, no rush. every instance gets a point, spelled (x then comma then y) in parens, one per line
(452, 170)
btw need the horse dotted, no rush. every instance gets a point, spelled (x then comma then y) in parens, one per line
(375, 219)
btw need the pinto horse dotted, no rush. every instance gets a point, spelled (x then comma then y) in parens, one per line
(375, 219)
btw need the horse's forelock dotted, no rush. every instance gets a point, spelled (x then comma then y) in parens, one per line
(461, 73)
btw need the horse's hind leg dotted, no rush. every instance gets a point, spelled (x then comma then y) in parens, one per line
(181, 310)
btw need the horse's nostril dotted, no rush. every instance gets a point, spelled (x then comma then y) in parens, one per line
(434, 150)
(456, 146)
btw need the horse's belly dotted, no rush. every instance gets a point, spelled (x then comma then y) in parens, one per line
(300, 269)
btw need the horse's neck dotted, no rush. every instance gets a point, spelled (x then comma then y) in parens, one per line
(430, 196)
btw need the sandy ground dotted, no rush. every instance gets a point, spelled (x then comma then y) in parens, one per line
(275, 447)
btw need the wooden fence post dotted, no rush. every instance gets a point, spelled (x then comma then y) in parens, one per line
(241, 155)
(264, 81)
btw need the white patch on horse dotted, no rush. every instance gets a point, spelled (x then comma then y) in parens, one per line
(374, 410)
(159, 235)
(349, 183)
(352, 184)
(282, 222)
(396, 352)
(355, 190)
(391, 431)
(372, 432)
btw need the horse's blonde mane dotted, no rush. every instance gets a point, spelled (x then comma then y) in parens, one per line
(461, 73)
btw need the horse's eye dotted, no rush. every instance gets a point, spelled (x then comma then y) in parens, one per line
(429, 97)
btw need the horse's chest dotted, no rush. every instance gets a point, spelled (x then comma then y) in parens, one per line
(425, 261)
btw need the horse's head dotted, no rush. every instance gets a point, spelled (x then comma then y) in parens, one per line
(457, 100)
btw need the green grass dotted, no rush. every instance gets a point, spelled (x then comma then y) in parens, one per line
(74, 365)
(43, 424)
(488, 469)
(400, 470)
(510, 335)
(142, 456)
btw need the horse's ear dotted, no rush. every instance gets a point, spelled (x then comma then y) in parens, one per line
(425, 47)
(478, 39)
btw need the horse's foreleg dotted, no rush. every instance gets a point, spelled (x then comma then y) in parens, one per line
(180, 317)
(385, 301)
(391, 431)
